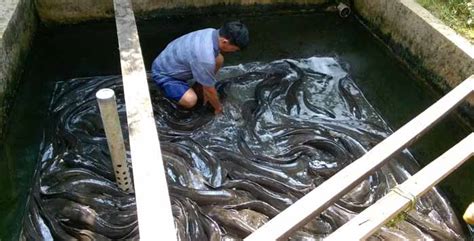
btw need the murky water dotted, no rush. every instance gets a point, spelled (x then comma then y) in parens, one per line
(91, 50)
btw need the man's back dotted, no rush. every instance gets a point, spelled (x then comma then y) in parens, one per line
(191, 55)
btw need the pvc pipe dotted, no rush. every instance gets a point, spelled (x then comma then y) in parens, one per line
(344, 10)
(469, 214)
(113, 132)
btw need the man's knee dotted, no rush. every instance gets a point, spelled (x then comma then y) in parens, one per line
(189, 99)
(219, 62)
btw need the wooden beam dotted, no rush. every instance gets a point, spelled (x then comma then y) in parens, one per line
(399, 199)
(155, 218)
(333, 189)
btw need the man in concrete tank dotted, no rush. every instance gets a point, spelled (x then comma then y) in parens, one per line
(197, 55)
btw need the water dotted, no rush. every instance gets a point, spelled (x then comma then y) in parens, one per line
(91, 50)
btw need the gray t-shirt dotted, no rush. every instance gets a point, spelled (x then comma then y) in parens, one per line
(190, 56)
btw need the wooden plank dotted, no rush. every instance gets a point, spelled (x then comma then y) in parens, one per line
(372, 218)
(155, 218)
(333, 189)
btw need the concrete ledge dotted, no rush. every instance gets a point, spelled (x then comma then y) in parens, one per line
(18, 22)
(432, 49)
(74, 11)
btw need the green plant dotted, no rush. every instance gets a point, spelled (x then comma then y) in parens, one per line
(458, 14)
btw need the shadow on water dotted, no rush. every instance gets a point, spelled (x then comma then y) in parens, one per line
(90, 50)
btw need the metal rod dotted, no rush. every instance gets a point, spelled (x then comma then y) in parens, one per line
(372, 218)
(334, 188)
(113, 132)
(155, 219)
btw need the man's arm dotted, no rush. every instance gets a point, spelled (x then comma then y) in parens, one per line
(204, 74)
(210, 95)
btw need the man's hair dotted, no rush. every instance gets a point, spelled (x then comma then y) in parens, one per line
(236, 32)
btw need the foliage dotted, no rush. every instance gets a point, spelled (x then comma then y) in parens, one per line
(458, 14)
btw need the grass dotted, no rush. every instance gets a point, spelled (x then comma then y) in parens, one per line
(458, 14)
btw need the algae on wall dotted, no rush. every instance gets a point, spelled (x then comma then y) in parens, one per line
(73, 11)
(17, 28)
(433, 50)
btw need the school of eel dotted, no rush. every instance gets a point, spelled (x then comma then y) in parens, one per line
(286, 127)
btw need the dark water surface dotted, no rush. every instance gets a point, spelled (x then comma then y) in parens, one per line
(91, 50)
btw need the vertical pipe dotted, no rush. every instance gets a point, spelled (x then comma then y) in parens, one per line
(344, 10)
(469, 214)
(113, 132)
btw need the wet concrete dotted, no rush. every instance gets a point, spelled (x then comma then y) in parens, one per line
(72, 11)
(18, 23)
(434, 48)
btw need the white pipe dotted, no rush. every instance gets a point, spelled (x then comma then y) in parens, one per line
(344, 10)
(113, 132)
(469, 214)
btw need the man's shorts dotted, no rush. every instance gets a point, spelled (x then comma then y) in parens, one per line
(173, 88)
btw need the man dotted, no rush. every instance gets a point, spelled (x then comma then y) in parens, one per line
(197, 55)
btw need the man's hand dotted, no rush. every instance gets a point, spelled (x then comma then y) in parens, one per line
(210, 95)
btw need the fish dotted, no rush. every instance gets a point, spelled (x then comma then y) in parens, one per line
(260, 168)
(203, 161)
(256, 205)
(232, 221)
(203, 197)
(347, 89)
(287, 126)
(278, 200)
(72, 213)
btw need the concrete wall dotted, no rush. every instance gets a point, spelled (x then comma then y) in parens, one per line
(72, 11)
(18, 23)
(432, 49)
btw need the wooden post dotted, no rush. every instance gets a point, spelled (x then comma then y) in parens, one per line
(113, 132)
(155, 219)
(334, 188)
(397, 200)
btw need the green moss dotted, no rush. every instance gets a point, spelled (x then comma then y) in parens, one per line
(393, 223)
(228, 10)
(239, 10)
(415, 65)
(16, 41)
